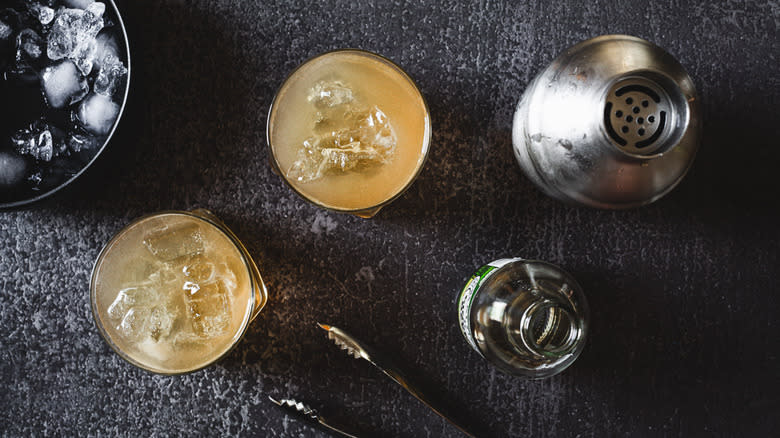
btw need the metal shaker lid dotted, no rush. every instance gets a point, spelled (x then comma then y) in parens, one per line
(613, 122)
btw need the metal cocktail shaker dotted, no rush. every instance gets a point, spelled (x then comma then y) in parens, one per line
(613, 122)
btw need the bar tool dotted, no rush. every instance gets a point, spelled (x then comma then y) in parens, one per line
(614, 122)
(360, 350)
(310, 416)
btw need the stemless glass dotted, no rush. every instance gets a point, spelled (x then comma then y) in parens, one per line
(387, 87)
(151, 335)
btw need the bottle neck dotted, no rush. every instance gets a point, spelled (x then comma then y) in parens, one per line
(546, 329)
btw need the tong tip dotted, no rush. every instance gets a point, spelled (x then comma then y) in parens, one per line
(324, 326)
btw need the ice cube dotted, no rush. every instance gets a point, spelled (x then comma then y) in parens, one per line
(208, 308)
(36, 141)
(84, 56)
(227, 276)
(5, 30)
(28, 45)
(98, 113)
(107, 44)
(80, 4)
(144, 323)
(64, 34)
(96, 8)
(35, 178)
(58, 137)
(112, 74)
(168, 276)
(133, 324)
(159, 322)
(72, 31)
(198, 269)
(12, 169)
(173, 242)
(133, 297)
(191, 287)
(63, 85)
(329, 94)
(44, 13)
(79, 142)
(346, 137)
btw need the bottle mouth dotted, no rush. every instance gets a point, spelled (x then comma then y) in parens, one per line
(548, 329)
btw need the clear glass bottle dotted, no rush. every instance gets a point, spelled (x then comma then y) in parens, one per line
(527, 317)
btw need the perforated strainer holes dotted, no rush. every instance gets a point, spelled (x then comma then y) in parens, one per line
(635, 114)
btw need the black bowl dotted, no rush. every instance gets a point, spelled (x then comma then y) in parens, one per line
(44, 178)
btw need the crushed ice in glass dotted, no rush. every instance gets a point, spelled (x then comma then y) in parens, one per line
(329, 94)
(64, 63)
(168, 243)
(133, 297)
(182, 286)
(198, 269)
(348, 135)
(208, 308)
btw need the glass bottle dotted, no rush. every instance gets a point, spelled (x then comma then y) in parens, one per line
(527, 317)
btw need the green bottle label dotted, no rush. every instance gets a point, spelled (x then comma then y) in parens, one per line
(469, 292)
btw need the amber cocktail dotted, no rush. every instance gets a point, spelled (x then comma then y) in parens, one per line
(174, 291)
(349, 131)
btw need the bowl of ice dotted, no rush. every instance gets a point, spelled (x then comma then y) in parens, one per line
(64, 75)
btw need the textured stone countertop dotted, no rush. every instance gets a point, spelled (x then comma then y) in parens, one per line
(683, 293)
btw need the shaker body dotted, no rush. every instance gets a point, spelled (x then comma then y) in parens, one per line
(613, 122)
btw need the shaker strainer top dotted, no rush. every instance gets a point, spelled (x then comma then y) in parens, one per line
(640, 117)
(612, 122)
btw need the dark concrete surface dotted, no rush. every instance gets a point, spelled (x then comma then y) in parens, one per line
(684, 293)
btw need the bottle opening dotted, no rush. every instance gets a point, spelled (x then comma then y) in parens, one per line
(549, 329)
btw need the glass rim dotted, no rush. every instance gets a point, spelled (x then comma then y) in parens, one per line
(426, 143)
(237, 337)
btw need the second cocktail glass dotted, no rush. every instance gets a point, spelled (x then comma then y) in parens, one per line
(175, 291)
(349, 131)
